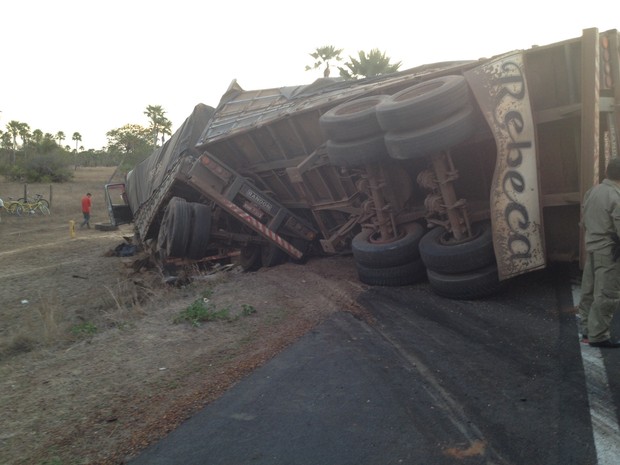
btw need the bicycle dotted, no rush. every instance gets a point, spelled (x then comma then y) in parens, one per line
(37, 198)
(38, 205)
(12, 207)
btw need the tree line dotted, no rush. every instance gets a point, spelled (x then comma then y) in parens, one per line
(37, 156)
(365, 65)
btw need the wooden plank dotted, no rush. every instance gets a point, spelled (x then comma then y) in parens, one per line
(613, 40)
(590, 124)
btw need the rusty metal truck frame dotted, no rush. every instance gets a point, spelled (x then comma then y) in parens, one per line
(418, 179)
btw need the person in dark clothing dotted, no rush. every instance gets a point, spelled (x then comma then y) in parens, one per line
(600, 283)
(86, 207)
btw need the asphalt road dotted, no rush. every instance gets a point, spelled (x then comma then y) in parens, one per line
(434, 381)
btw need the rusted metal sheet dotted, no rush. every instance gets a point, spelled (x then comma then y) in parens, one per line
(241, 111)
(500, 88)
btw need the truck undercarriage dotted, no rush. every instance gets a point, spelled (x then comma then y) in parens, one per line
(462, 173)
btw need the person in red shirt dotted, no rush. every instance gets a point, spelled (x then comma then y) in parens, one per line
(86, 205)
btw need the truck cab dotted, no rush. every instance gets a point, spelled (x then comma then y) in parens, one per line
(117, 203)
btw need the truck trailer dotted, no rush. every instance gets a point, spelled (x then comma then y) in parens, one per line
(463, 173)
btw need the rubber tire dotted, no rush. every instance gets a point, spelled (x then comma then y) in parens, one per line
(387, 254)
(105, 227)
(423, 104)
(271, 255)
(441, 136)
(401, 275)
(250, 257)
(454, 258)
(352, 120)
(198, 243)
(15, 209)
(175, 227)
(467, 286)
(357, 153)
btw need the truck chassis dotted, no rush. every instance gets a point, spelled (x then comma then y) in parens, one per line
(462, 173)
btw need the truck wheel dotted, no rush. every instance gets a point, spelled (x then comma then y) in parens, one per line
(400, 275)
(250, 257)
(174, 229)
(423, 104)
(441, 136)
(441, 253)
(465, 286)
(105, 227)
(200, 232)
(358, 152)
(370, 253)
(272, 255)
(352, 120)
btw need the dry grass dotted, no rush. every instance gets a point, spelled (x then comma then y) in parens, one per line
(97, 368)
(130, 299)
(44, 273)
(48, 305)
(65, 198)
(36, 328)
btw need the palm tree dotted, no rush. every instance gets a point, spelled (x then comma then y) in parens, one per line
(77, 137)
(166, 129)
(15, 128)
(5, 140)
(37, 135)
(159, 124)
(60, 136)
(24, 134)
(373, 64)
(322, 56)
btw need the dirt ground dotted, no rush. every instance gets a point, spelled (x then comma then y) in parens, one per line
(93, 366)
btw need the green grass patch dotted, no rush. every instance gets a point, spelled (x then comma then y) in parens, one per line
(247, 310)
(207, 293)
(202, 310)
(84, 330)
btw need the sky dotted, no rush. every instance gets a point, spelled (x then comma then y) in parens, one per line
(90, 66)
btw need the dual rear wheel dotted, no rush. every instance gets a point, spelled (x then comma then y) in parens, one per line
(461, 269)
(184, 230)
(389, 263)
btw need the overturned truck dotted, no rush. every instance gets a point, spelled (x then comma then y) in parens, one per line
(463, 173)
